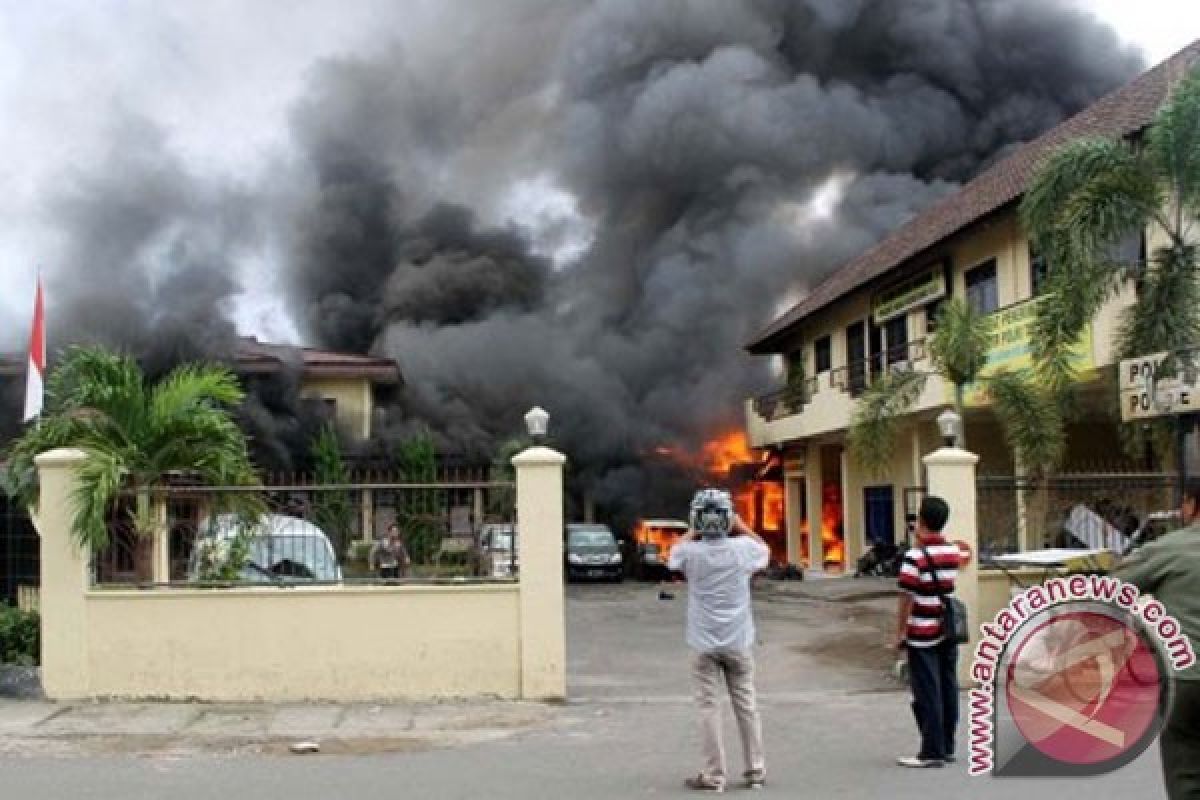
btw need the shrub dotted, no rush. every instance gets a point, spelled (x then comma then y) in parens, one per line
(20, 637)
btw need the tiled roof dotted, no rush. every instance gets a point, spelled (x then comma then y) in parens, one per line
(255, 357)
(1120, 113)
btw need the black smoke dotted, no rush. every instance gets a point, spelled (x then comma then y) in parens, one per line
(693, 140)
(693, 135)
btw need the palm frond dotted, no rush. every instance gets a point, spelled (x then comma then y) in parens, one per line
(875, 425)
(1031, 419)
(1173, 143)
(1166, 314)
(190, 387)
(99, 481)
(960, 345)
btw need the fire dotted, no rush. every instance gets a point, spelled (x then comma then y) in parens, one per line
(664, 537)
(759, 500)
(833, 538)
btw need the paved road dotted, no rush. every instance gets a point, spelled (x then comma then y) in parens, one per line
(832, 724)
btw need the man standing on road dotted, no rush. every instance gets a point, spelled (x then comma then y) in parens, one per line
(720, 630)
(1169, 569)
(926, 577)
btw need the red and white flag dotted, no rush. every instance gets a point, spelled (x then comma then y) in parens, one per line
(34, 386)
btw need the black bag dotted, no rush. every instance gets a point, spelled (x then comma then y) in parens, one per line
(954, 611)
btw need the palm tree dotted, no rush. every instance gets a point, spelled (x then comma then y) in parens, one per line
(1029, 414)
(134, 434)
(1092, 194)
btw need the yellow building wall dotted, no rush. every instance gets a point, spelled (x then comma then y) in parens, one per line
(355, 404)
(1000, 238)
(338, 643)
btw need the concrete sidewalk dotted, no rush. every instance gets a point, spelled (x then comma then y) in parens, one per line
(180, 728)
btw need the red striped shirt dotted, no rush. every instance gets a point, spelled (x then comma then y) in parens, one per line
(925, 620)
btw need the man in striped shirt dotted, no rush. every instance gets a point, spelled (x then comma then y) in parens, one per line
(927, 575)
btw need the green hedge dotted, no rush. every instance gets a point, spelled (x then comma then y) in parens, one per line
(20, 637)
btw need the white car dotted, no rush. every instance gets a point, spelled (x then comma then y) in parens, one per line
(278, 548)
(498, 550)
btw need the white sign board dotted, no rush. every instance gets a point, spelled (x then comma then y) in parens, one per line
(1143, 397)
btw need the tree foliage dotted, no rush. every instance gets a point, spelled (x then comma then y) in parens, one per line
(133, 433)
(875, 426)
(1092, 194)
(960, 347)
(1028, 411)
(333, 510)
(421, 513)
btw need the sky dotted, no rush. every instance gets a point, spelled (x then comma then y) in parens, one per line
(219, 81)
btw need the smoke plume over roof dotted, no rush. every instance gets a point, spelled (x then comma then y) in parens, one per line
(707, 160)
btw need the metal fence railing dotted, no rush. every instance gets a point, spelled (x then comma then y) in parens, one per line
(289, 535)
(20, 547)
(1070, 510)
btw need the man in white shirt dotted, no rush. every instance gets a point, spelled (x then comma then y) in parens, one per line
(720, 630)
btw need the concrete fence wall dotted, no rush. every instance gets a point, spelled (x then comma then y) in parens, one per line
(306, 643)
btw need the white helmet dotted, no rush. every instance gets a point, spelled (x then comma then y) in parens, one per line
(712, 512)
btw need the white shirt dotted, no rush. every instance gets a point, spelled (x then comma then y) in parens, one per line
(720, 615)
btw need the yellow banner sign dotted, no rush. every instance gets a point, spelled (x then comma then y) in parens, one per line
(900, 298)
(1012, 348)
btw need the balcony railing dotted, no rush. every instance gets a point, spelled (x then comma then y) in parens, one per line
(854, 378)
(785, 402)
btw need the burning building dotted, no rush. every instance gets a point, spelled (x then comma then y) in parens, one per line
(589, 213)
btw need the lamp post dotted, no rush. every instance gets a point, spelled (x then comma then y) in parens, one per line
(950, 424)
(537, 422)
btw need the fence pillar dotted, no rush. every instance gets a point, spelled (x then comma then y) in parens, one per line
(540, 536)
(951, 472)
(64, 578)
(161, 569)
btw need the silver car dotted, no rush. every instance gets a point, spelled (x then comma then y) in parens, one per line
(277, 548)
(498, 550)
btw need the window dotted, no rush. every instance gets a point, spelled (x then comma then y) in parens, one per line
(1129, 251)
(895, 332)
(823, 354)
(1038, 271)
(856, 357)
(329, 408)
(983, 290)
(931, 314)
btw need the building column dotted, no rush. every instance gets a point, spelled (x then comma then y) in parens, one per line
(793, 487)
(952, 478)
(65, 579)
(853, 527)
(814, 505)
(540, 544)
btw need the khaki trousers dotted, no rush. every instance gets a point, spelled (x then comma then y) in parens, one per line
(737, 670)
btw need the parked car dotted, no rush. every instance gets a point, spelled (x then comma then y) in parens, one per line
(592, 552)
(498, 550)
(653, 540)
(277, 548)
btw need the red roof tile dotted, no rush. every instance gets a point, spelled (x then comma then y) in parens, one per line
(255, 357)
(1120, 113)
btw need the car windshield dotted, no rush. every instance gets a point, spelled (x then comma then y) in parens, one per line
(591, 537)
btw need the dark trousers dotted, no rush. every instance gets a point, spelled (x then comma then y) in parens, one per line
(933, 672)
(1180, 743)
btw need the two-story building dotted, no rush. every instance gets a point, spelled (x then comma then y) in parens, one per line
(349, 385)
(877, 313)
